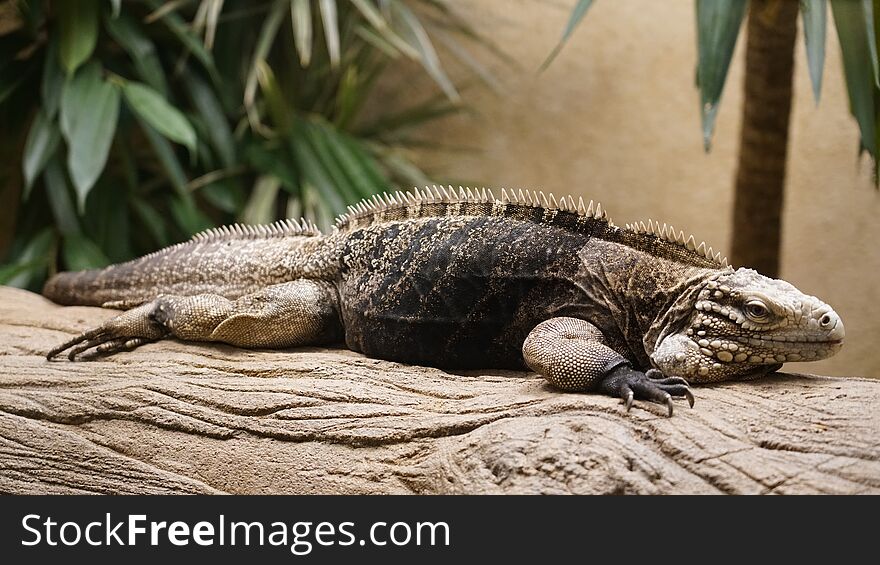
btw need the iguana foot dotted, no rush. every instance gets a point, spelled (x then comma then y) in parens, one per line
(124, 332)
(630, 384)
(572, 355)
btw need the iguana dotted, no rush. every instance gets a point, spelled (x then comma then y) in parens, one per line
(459, 279)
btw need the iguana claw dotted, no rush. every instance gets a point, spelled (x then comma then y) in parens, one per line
(628, 400)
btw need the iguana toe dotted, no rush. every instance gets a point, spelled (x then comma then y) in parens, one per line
(91, 337)
(682, 388)
(111, 347)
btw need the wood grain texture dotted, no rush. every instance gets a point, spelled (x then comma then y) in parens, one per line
(172, 417)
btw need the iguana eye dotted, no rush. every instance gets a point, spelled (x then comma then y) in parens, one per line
(757, 310)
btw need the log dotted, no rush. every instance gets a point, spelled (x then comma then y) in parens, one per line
(174, 417)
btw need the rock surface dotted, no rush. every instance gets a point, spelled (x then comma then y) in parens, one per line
(174, 417)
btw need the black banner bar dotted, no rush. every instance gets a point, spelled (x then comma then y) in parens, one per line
(431, 529)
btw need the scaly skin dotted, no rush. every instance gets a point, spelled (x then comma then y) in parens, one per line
(456, 279)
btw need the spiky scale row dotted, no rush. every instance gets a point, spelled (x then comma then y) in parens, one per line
(536, 199)
(668, 233)
(450, 195)
(281, 228)
(447, 194)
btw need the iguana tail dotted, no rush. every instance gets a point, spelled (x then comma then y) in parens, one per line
(229, 261)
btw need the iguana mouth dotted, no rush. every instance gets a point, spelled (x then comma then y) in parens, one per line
(795, 341)
(806, 341)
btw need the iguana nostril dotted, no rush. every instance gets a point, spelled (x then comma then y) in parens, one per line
(831, 323)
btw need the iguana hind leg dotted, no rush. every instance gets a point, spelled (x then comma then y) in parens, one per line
(572, 355)
(300, 312)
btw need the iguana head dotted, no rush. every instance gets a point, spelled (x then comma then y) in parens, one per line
(743, 324)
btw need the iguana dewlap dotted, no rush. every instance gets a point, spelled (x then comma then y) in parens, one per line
(458, 279)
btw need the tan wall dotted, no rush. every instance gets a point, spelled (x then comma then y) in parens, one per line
(615, 119)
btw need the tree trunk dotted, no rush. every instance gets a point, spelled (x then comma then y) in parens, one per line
(760, 178)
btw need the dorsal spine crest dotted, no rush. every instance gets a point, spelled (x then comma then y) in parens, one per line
(281, 228)
(668, 233)
(421, 202)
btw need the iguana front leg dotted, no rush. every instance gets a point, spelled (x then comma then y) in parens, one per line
(572, 355)
(300, 312)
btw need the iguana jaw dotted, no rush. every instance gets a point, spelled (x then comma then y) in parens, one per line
(743, 324)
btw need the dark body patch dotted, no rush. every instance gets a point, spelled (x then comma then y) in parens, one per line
(456, 291)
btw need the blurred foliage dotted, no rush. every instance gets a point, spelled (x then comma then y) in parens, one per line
(718, 26)
(138, 123)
